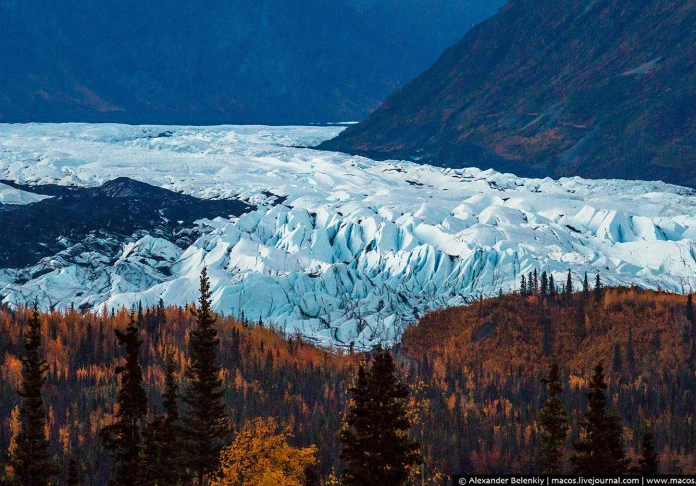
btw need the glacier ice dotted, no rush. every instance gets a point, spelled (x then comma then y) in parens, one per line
(339, 248)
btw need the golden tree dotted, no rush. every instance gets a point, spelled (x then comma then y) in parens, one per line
(260, 455)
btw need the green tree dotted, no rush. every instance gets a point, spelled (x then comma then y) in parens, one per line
(554, 423)
(600, 450)
(523, 286)
(586, 288)
(648, 462)
(123, 438)
(544, 285)
(376, 447)
(206, 423)
(162, 448)
(569, 288)
(31, 461)
(598, 289)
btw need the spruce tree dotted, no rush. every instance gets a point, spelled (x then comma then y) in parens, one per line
(586, 288)
(162, 448)
(544, 285)
(123, 437)
(31, 461)
(375, 443)
(554, 423)
(600, 450)
(552, 287)
(206, 423)
(536, 282)
(648, 462)
(598, 290)
(569, 288)
(523, 286)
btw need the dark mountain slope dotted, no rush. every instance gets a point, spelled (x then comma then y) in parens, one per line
(602, 88)
(247, 61)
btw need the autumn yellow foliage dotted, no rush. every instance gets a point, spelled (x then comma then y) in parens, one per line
(260, 455)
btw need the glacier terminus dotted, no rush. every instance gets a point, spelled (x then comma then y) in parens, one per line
(342, 249)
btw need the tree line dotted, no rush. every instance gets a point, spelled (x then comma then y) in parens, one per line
(457, 406)
(196, 447)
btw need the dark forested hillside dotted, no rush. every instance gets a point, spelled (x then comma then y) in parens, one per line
(242, 61)
(474, 374)
(599, 89)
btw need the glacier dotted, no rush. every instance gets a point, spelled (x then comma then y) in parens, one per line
(342, 249)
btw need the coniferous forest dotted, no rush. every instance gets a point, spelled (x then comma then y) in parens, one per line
(546, 379)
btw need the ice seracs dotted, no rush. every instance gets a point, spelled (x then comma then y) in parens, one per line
(341, 249)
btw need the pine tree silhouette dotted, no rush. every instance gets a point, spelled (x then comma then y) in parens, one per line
(523, 286)
(206, 423)
(569, 288)
(162, 448)
(375, 443)
(598, 289)
(123, 437)
(554, 423)
(31, 461)
(544, 285)
(586, 288)
(600, 450)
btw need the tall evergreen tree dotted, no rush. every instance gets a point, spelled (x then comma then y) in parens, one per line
(375, 443)
(586, 288)
(554, 423)
(206, 423)
(598, 289)
(569, 287)
(552, 287)
(123, 437)
(544, 285)
(31, 461)
(523, 286)
(536, 282)
(162, 448)
(648, 462)
(600, 450)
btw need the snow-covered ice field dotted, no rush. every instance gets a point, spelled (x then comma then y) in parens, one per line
(354, 249)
